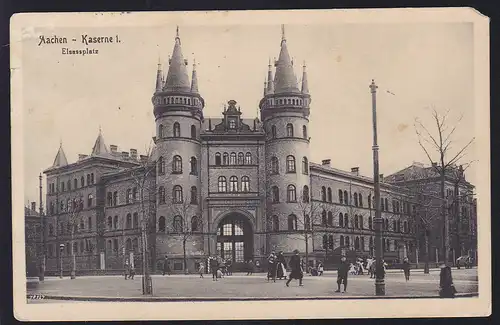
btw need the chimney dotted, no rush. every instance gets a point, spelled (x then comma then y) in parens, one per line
(133, 154)
(381, 178)
(143, 158)
(33, 206)
(355, 171)
(326, 162)
(82, 156)
(113, 148)
(125, 155)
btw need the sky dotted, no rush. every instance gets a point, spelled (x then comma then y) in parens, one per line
(68, 98)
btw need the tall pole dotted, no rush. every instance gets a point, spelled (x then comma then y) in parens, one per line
(41, 276)
(377, 221)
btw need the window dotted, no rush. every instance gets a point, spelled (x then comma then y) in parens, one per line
(361, 222)
(161, 165)
(346, 220)
(360, 199)
(232, 158)
(305, 194)
(62, 186)
(51, 230)
(69, 185)
(275, 194)
(92, 178)
(290, 164)
(134, 193)
(177, 194)
(248, 158)
(341, 197)
(115, 198)
(356, 199)
(330, 218)
(323, 194)
(386, 204)
(241, 158)
(194, 195)
(370, 201)
(289, 130)
(276, 223)
(346, 198)
(161, 195)
(177, 165)
(273, 132)
(323, 218)
(356, 221)
(82, 181)
(128, 196)
(194, 166)
(362, 244)
(136, 220)
(356, 243)
(193, 132)
(347, 241)
(128, 245)
(292, 222)
(75, 183)
(135, 245)
(128, 223)
(115, 245)
(160, 131)
(233, 184)
(304, 132)
(75, 247)
(245, 184)
(177, 130)
(342, 243)
(194, 224)
(325, 241)
(82, 225)
(330, 241)
(341, 220)
(88, 179)
(161, 224)
(274, 165)
(232, 123)
(305, 166)
(405, 227)
(178, 224)
(225, 159)
(222, 184)
(110, 246)
(291, 193)
(330, 199)
(217, 159)
(115, 222)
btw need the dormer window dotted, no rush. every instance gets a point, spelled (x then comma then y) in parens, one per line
(232, 123)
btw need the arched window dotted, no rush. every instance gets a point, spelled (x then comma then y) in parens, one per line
(128, 222)
(241, 158)
(128, 195)
(134, 193)
(292, 222)
(225, 159)
(341, 197)
(75, 183)
(342, 242)
(276, 223)
(161, 165)
(177, 165)
(304, 132)
(135, 245)
(90, 200)
(232, 158)
(325, 241)
(356, 221)
(82, 181)
(290, 164)
(88, 181)
(248, 158)
(194, 195)
(347, 241)
(161, 195)
(305, 166)
(233, 184)
(136, 220)
(305, 194)
(330, 241)
(405, 227)
(330, 199)
(361, 222)
(346, 220)
(110, 223)
(69, 185)
(245, 184)
(115, 222)
(193, 132)
(177, 194)
(289, 130)
(160, 131)
(273, 132)
(194, 224)
(362, 244)
(274, 165)
(177, 130)
(323, 194)
(291, 193)
(330, 218)
(128, 245)
(356, 199)
(369, 201)
(323, 218)
(178, 224)
(341, 220)
(218, 161)
(360, 199)
(275, 194)
(194, 166)
(346, 198)
(222, 184)
(161, 224)
(356, 243)
(394, 228)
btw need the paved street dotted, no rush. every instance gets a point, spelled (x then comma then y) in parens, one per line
(255, 286)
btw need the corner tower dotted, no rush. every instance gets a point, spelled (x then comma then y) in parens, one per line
(178, 111)
(285, 115)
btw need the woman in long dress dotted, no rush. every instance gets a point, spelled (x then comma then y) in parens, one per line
(281, 271)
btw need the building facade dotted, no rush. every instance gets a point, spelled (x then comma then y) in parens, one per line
(226, 186)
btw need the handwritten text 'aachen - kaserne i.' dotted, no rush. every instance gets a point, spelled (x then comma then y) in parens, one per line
(89, 41)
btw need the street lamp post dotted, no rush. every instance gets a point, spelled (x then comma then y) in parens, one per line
(377, 221)
(61, 248)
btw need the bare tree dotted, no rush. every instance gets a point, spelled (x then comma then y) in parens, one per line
(438, 146)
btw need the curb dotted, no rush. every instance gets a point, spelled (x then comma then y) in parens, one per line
(208, 299)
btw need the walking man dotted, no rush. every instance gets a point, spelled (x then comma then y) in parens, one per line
(166, 267)
(126, 268)
(342, 273)
(271, 273)
(214, 268)
(297, 271)
(406, 268)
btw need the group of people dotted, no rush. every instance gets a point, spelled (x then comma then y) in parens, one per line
(129, 270)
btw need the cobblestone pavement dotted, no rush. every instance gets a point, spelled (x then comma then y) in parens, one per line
(253, 286)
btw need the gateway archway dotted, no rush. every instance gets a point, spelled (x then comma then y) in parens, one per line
(235, 238)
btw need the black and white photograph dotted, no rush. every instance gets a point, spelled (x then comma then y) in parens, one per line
(276, 164)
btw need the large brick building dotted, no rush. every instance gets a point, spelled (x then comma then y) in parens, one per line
(230, 186)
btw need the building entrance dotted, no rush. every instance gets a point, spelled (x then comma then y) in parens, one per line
(235, 239)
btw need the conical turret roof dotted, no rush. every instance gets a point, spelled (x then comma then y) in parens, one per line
(285, 80)
(194, 80)
(100, 148)
(60, 159)
(305, 85)
(159, 78)
(177, 76)
(270, 81)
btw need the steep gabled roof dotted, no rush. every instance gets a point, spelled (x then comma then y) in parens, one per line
(60, 159)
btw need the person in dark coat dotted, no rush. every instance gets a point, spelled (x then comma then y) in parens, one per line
(166, 266)
(214, 267)
(342, 273)
(446, 287)
(296, 266)
(271, 261)
(406, 268)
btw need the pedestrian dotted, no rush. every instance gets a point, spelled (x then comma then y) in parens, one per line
(201, 269)
(342, 273)
(406, 268)
(250, 267)
(446, 287)
(213, 267)
(271, 261)
(320, 269)
(280, 266)
(296, 267)
(166, 267)
(126, 268)
(131, 271)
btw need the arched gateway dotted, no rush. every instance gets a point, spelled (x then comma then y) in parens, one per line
(235, 239)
